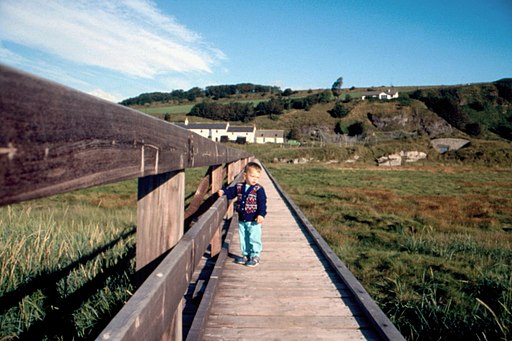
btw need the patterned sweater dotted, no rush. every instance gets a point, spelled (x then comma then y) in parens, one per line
(251, 201)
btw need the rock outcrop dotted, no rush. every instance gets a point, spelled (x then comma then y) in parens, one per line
(398, 159)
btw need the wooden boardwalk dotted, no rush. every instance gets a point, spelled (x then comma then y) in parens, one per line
(292, 295)
(296, 293)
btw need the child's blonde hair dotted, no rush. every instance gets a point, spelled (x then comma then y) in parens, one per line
(252, 165)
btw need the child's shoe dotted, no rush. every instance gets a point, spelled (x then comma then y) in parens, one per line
(241, 260)
(254, 261)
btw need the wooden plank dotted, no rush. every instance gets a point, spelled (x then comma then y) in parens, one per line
(57, 139)
(314, 273)
(278, 322)
(227, 334)
(150, 311)
(159, 215)
(291, 286)
(217, 177)
(160, 209)
(286, 306)
(239, 290)
(232, 172)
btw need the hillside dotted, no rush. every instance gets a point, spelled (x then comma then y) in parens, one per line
(478, 112)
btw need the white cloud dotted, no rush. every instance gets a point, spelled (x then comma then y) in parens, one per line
(10, 57)
(130, 37)
(40, 67)
(105, 95)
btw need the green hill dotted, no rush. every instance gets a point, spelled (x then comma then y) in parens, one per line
(479, 112)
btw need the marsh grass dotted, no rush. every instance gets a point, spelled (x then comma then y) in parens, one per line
(430, 244)
(67, 262)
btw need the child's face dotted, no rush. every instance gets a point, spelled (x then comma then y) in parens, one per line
(252, 176)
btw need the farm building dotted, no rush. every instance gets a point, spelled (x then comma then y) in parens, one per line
(380, 94)
(241, 134)
(212, 131)
(223, 132)
(269, 136)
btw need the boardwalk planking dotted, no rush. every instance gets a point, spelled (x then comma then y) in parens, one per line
(291, 295)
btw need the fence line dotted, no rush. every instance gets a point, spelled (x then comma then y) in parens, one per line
(54, 139)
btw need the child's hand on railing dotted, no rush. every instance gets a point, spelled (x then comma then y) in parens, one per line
(220, 192)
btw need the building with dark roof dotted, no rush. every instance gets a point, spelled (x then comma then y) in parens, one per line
(269, 136)
(224, 132)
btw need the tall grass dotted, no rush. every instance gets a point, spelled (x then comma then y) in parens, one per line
(430, 244)
(50, 263)
(67, 262)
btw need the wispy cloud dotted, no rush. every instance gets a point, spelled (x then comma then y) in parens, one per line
(130, 37)
(105, 95)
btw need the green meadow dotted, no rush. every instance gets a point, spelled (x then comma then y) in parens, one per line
(432, 243)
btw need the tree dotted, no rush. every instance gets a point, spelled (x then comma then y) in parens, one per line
(339, 111)
(272, 108)
(193, 93)
(355, 129)
(287, 92)
(336, 86)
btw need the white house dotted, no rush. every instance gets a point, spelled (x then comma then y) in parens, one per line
(223, 132)
(212, 131)
(380, 94)
(272, 136)
(241, 134)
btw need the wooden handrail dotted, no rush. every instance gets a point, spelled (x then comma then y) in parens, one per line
(54, 139)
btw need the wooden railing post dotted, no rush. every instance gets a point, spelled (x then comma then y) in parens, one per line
(217, 177)
(233, 169)
(160, 216)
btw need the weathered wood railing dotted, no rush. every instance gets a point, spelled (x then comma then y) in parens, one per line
(54, 140)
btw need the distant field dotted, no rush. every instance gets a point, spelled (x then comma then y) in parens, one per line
(172, 109)
(432, 244)
(183, 108)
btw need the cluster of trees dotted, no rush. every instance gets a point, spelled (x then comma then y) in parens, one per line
(235, 111)
(246, 112)
(339, 110)
(214, 92)
(175, 95)
(222, 91)
(307, 102)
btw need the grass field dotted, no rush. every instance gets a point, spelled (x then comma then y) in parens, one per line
(433, 245)
(67, 262)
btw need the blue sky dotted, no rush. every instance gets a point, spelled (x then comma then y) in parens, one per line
(119, 49)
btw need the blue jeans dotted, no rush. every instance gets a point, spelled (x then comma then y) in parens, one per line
(250, 238)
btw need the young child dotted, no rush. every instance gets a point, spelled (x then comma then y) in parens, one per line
(251, 206)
